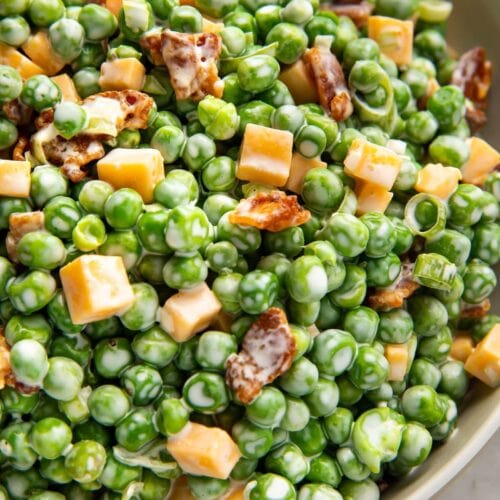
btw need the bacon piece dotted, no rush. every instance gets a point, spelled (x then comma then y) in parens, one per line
(17, 112)
(191, 60)
(20, 148)
(474, 311)
(20, 224)
(358, 12)
(330, 82)
(476, 118)
(267, 352)
(5, 369)
(272, 211)
(151, 43)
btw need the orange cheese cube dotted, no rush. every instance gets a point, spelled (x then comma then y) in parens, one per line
(299, 168)
(371, 198)
(266, 155)
(122, 74)
(300, 83)
(188, 312)
(139, 169)
(113, 6)
(39, 49)
(397, 355)
(204, 451)
(462, 347)
(483, 160)
(180, 490)
(394, 37)
(438, 180)
(210, 26)
(372, 163)
(484, 361)
(96, 287)
(12, 57)
(68, 89)
(15, 178)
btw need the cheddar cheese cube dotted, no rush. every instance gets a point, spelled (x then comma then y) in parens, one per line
(122, 74)
(113, 6)
(397, 355)
(394, 37)
(188, 312)
(462, 347)
(483, 160)
(484, 361)
(96, 287)
(438, 180)
(210, 26)
(266, 155)
(139, 169)
(299, 82)
(68, 89)
(372, 163)
(371, 198)
(39, 49)
(12, 57)
(204, 451)
(15, 178)
(299, 168)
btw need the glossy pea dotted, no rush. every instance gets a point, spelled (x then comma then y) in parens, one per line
(353, 290)
(85, 461)
(289, 241)
(32, 291)
(479, 281)
(333, 352)
(112, 357)
(362, 323)
(428, 313)
(61, 215)
(369, 370)
(253, 441)
(300, 379)
(292, 41)
(124, 244)
(322, 190)
(311, 439)
(268, 409)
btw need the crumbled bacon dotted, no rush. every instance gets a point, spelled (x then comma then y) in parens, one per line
(476, 118)
(22, 223)
(330, 82)
(474, 311)
(272, 211)
(20, 148)
(17, 112)
(5, 369)
(151, 43)
(267, 352)
(191, 60)
(358, 12)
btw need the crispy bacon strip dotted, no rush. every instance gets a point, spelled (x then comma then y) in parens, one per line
(272, 211)
(20, 224)
(191, 60)
(475, 311)
(267, 352)
(358, 12)
(330, 82)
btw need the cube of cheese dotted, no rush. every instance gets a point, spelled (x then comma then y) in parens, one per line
(204, 451)
(438, 180)
(122, 74)
(113, 6)
(15, 178)
(211, 26)
(139, 169)
(300, 83)
(462, 347)
(299, 168)
(188, 312)
(371, 198)
(372, 163)
(266, 155)
(39, 49)
(484, 362)
(394, 37)
(68, 89)
(397, 355)
(483, 160)
(12, 57)
(96, 287)
(180, 490)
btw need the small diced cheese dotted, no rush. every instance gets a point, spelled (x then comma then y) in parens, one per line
(210, 26)
(394, 37)
(96, 287)
(300, 83)
(39, 49)
(180, 490)
(68, 89)
(483, 160)
(397, 355)
(122, 74)
(438, 180)
(204, 451)
(484, 361)
(462, 347)
(15, 178)
(139, 169)
(113, 6)
(299, 168)
(12, 57)
(266, 155)
(188, 312)
(371, 198)
(372, 163)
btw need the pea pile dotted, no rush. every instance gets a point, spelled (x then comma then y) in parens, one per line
(373, 296)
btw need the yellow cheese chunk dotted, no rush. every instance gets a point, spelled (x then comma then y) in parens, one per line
(188, 312)
(96, 287)
(438, 180)
(139, 169)
(180, 490)
(210, 26)
(300, 83)
(372, 163)
(266, 155)
(122, 74)
(113, 6)
(68, 89)
(299, 168)
(397, 355)
(484, 361)
(394, 37)
(12, 57)
(371, 198)
(483, 160)
(204, 451)
(462, 347)
(15, 178)
(39, 49)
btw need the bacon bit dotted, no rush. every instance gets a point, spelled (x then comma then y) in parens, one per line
(476, 118)
(5, 369)
(20, 148)
(272, 211)
(474, 311)
(17, 112)
(358, 12)
(191, 60)
(267, 352)
(330, 82)
(151, 43)
(20, 224)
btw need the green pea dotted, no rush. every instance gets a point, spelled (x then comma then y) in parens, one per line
(98, 22)
(322, 190)
(311, 439)
(486, 243)
(41, 250)
(288, 241)
(15, 444)
(266, 17)
(396, 326)
(86, 81)
(443, 429)
(142, 383)
(8, 134)
(429, 315)
(136, 429)
(424, 372)
(370, 369)
(257, 112)
(186, 359)
(15, 402)
(214, 348)
(416, 444)
(122, 208)
(94, 195)
(7, 271)
(296, 415)
(266, 484)
(291, 39)
(303, 314)
(206, 393)
(45, 12)
(63, 379)
(451, 244)
(61, 215)
(29, 362)
(253, 441)
(353, 289)
(454, 380)
(124, 244)
(464, 205)
(12, 83)
(300, 379)
(34, 327)
(11, 205)
(40, 92)
(117, 476)
(437, 347)
(21, 483)
(219, 174)
(306, 280)
(50, 437)
(187, 229)
(85, 461)
(112, 357)
(155, 347)
(421, 403)
(268, 409)
(47, 183)
(383, 271)
(479, 281)
(289, 461)
(323, 399)
(32, 291)
(54, 470)
(447, 104)
(449, 150)
(257, 73)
